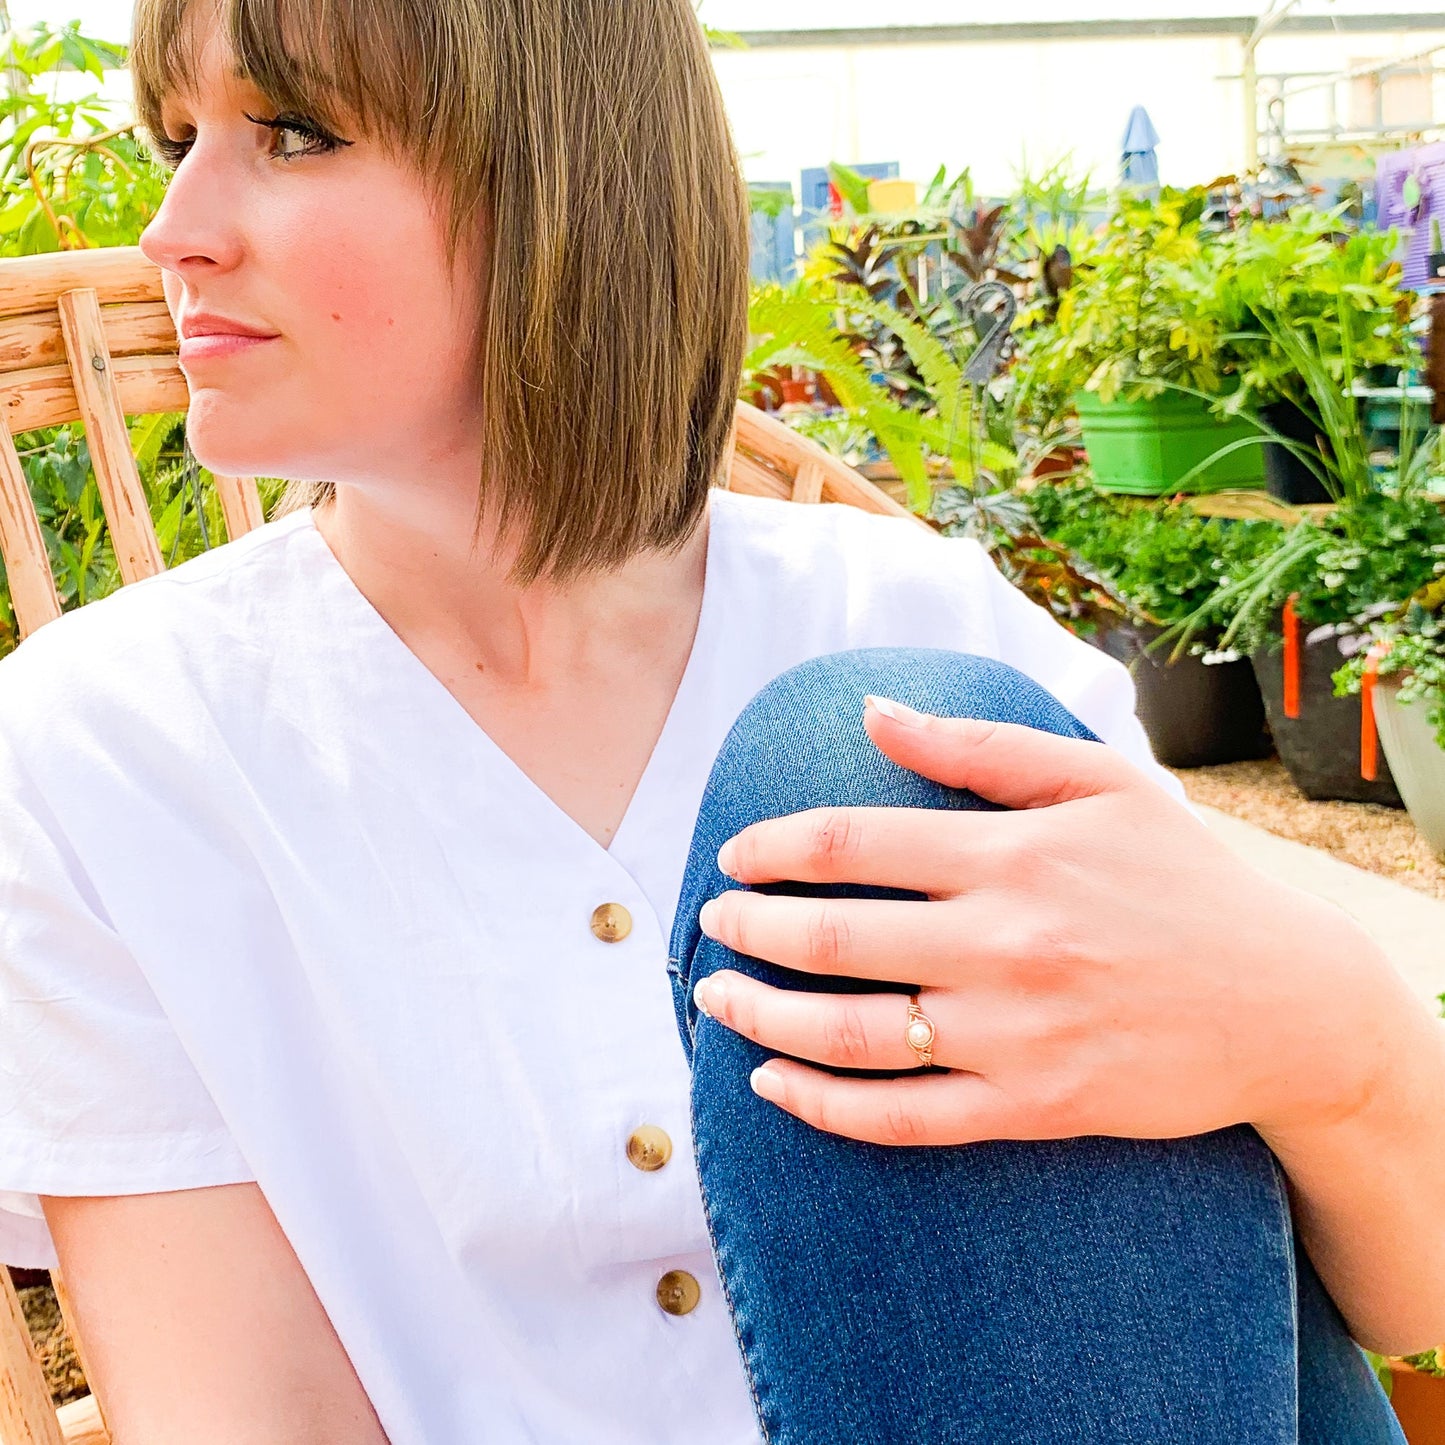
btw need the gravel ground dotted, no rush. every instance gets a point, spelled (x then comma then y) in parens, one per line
(57, 1356)
(1381, 840)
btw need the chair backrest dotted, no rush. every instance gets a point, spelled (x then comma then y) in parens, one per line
(86, 336)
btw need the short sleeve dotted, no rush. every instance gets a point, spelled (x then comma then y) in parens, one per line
(97, 1094)
(1095, 687)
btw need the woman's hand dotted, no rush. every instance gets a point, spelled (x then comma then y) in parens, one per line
(1096, 962)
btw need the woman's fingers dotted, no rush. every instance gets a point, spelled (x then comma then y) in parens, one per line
(847, 1031)
(926, 850)
(849, 938)
(982, 1032)
(921, 1109)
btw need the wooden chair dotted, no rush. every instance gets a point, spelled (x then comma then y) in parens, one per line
(86, 335)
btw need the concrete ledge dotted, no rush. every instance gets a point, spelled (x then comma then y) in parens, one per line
(1408, 925)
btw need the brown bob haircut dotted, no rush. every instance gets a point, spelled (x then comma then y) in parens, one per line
(589, 137)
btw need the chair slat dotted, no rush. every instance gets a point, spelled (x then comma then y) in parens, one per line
(36, 283)
(26, 1414)
(771, 457)
(81, 1423)
(750, 475)
(45, 395)
(240, 505)
(27, 564)
(95, 1417)
(808, 485)
(132, 532)
(132, 328)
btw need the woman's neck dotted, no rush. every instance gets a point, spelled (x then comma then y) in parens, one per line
(422, 574)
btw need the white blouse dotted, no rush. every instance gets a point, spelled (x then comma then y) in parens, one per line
(273, 907)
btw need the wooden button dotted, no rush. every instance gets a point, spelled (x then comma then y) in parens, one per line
(649, 1148)
(678, 1292)
(611, 922)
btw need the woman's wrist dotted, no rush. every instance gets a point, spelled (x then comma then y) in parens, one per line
(1354, 1056)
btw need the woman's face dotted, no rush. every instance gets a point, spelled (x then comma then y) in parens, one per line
(339, 256)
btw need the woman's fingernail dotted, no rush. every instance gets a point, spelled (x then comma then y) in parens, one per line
(707, 917)
(700, 992)
(896, 711)
(726, 857)
(766, 1084)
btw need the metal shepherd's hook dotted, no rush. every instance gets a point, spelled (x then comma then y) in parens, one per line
(991, 308)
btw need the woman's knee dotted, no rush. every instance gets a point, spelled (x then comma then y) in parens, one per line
(800, 743)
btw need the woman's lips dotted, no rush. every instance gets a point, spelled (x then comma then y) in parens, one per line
(211, 348)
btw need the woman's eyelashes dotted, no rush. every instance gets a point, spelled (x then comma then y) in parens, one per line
(316, 140)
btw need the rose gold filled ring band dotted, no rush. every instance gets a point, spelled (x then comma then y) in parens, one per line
(920, 1033)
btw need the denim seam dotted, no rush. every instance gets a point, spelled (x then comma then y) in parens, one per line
(726, 1290)
(1281, 1195)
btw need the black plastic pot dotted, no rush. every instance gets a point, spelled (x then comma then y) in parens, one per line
(1321, 748)
(1285, 475)
(1196, 714)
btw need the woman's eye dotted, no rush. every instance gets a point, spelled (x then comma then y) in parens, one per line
(314, 140)
(294, 137)
(170, 153)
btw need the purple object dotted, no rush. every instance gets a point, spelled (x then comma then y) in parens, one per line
(1427, 165)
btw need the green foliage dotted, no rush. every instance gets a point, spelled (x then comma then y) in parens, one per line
(1432, 1362)
(1242, 318)
(1148, 308)
(94, 184)
(794, 326)
(1380, 1364)
(1409, 643)
(1051, 208)
(184, 505)
(1304, 276)
(1382, 547)
(1163, 557)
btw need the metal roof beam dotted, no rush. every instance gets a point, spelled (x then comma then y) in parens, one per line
(1241, 26)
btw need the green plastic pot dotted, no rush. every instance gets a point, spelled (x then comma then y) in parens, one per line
(1417, 761)
(1147, 447)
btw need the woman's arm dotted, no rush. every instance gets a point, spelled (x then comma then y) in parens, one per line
(1368, 1191)
(200, 1324)
(1097, 962)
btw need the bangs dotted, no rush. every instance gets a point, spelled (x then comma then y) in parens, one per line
(372, 67)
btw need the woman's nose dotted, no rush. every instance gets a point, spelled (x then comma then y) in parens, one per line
(198, 223)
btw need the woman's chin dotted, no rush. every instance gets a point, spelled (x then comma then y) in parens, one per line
(229, 452)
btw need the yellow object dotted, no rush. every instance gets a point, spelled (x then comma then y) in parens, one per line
(892, 195)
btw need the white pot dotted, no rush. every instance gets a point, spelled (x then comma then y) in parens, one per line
(1416, 759)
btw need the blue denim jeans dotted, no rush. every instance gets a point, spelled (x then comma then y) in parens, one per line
(1101, 1290)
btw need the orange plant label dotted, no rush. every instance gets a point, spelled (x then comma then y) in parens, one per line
(1369, 732)
(1291, 658)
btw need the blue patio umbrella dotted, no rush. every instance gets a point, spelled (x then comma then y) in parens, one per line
(1141, 159)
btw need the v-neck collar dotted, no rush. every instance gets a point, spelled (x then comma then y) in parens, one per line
(426, 697)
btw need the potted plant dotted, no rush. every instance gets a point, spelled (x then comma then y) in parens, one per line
(1165, 560)
(1283, 606)
(1306, 275)
(1417, 1392)
(1143, 341)
(1398, 668)
(1381, 540)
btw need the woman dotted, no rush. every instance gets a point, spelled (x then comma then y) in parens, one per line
(340, 863)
